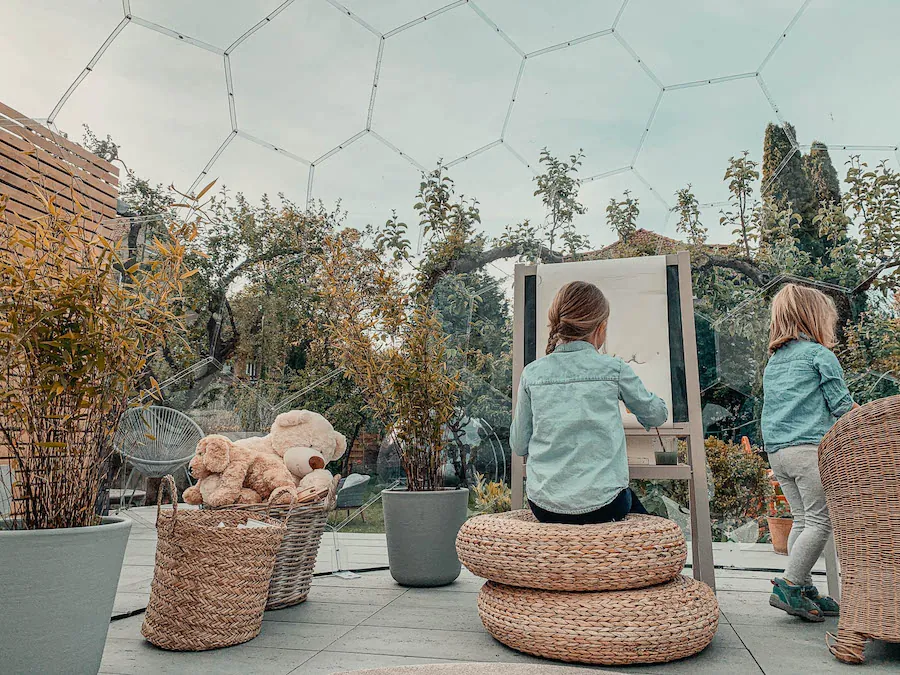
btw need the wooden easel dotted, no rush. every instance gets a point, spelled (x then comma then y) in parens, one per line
(691, 431)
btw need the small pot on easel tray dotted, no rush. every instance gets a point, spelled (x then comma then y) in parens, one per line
(780, 529)
(666, 458)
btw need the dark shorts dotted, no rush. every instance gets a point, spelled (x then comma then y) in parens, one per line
(625, 502)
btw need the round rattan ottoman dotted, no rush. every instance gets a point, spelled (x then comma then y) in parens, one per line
(644, 625)
(515, 549)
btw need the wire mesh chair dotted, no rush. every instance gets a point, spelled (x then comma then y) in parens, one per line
(156, 441)
(859, 460)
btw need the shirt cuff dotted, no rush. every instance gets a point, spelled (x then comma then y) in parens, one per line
(844, 406)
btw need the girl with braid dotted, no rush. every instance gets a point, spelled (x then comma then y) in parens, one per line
(568, 420)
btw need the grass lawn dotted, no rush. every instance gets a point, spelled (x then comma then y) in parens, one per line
(374, 523)
(374, 519)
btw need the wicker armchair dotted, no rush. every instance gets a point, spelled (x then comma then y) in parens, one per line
(859, 460)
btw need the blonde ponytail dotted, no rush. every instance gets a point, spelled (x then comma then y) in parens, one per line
(578, 310)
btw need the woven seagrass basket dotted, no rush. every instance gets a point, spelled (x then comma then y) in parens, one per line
(210, 583)
(513, 548)
(656, 624)
(296, 557)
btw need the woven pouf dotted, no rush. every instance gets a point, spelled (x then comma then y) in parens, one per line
(515, 549)
(645, 625)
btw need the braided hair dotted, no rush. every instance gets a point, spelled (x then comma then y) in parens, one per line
(578, 309)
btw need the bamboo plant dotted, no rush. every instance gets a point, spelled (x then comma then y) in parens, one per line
(390, 342)
(77, 328)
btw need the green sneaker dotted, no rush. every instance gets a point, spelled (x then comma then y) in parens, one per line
(791, 599)
(827, 604)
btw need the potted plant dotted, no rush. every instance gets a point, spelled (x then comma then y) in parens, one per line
(780, 519)
(491, 496)
(77, 327)
(390, 342)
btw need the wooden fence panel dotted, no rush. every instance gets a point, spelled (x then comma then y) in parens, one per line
(78, 180)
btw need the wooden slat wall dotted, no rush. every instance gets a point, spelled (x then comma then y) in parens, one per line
(31, 154)
(81, 182)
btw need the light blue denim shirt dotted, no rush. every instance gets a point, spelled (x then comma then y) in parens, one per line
(569, 424)
(803, 395)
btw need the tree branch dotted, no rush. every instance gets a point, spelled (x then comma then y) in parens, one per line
(866, 283)
(264, 257)
(741, 265)
(469, 263)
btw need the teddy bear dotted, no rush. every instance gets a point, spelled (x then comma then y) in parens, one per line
(231, 474)
(306, 442)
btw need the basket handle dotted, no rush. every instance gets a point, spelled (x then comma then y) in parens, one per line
(331, 497)
(168, 482)
(277, 492)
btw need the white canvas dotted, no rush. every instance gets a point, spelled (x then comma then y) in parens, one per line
(638, 323)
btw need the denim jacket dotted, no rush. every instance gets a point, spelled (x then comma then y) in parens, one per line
(569, 424)
(804, 393)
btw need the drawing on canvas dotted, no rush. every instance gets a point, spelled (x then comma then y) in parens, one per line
(638, 331)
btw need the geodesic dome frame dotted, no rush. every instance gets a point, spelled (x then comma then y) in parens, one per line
(612, 33)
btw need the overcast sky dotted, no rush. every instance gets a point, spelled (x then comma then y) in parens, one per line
(303, 82)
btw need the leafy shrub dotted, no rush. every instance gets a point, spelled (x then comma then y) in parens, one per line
(740, 489)
(491, 497)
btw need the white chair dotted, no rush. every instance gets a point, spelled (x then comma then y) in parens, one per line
(156, 441)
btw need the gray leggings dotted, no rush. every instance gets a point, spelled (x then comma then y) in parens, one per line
(797, 471)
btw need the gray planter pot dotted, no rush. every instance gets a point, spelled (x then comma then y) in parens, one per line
(421, 530)
(57, 595)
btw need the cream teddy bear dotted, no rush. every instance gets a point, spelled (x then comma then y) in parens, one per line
(307, 442)
(230, 474)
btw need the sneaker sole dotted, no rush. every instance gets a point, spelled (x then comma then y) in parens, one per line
(783, 606)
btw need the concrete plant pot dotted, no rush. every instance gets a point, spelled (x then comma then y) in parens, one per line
(421, 530)
(57, 595)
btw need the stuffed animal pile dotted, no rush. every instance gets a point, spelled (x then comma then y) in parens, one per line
(292, 456)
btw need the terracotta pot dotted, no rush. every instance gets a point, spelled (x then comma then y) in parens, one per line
(780, 529)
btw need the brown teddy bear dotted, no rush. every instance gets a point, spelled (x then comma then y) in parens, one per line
(231, 474)
(306, 442)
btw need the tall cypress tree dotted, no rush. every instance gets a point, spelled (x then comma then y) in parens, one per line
(826, 187)
(791, 185)
(821, 172)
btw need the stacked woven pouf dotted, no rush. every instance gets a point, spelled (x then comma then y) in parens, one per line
(601, 594)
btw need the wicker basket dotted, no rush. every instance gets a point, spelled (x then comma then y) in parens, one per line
(297, 554)
(515, 549)
(209, 583)
(859, 460)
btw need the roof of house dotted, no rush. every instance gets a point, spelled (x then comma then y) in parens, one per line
(646, 242)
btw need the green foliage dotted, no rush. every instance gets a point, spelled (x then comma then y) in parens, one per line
(77, 330)
(491, 497)
(740, 481)
(558, 189)
(475, 316)
(873, 202)
(689, 217)
(741, 174)
(821, 172)
(622, 216)
(740, 490)
(523, 240)
(791, 188)
(389, 341)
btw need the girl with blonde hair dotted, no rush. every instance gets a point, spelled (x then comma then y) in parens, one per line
(568, 422)
(804, 394)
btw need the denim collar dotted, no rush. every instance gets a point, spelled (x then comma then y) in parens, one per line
(575, 346)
